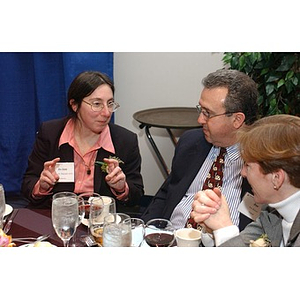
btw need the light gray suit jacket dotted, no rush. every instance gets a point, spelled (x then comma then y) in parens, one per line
(269, 222)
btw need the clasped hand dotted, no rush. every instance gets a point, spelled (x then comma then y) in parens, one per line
(210, 208)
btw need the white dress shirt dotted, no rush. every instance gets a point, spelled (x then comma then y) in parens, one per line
(231, 188)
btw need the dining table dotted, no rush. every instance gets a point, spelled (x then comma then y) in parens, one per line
(33, 222)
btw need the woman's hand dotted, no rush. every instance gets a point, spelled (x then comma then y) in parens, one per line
(115, 178)
(48, 176)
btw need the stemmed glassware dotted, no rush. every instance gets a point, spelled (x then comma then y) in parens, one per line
(97, 216)
(117, 230)
(159, 233)
(137, 231)
(2, 205)
(83, 212)
(65, 215)
(96, 219)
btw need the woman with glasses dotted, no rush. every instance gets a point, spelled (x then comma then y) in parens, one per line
(84, 151)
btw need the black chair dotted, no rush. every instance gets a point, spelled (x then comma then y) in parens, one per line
(137, 210)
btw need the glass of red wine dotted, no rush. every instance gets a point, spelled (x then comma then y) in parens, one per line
(159, 233)
(84, 203)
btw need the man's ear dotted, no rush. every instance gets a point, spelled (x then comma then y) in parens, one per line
(239, 119)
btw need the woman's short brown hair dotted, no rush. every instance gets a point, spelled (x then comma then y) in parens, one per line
(84, 84)
(274, 143)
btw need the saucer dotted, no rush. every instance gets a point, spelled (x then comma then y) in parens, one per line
(8, 210)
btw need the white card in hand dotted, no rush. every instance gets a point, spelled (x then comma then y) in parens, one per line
(65, 171)
(249, 208)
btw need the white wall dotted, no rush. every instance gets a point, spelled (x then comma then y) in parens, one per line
(148, 80)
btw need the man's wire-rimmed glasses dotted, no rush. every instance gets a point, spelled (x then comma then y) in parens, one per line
(207, 115)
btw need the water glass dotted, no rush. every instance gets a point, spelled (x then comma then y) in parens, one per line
(65, 215)
(109, 206)
(137, 232)
(117, 230)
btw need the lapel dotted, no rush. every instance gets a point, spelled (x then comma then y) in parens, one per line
(99, 176)
(271, 223)
(66, 153)
(194, 160)
(244, 221)
(294, 239)
(184, 170)
(190, 166)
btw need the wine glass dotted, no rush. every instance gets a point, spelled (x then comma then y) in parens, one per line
(97, 217)
(65, 215)
(83, 212)
(159, 233)
(86, 199)
(2, 205)
(137, 231)
(117, 230)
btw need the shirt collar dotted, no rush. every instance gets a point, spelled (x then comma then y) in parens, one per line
(104, 141)
(289, 207)
(232, 152)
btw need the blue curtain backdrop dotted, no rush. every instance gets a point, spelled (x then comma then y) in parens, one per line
(33, 89)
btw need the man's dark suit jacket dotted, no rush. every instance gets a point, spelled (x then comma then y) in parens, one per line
(46, 148)
(190, 153)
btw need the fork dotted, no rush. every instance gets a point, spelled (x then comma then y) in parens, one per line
(90, 242)
(31, 239)
(9, 222)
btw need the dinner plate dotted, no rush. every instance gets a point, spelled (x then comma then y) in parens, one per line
(86, 221)
(8, 210)
(41, 244)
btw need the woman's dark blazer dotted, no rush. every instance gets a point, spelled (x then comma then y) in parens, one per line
(46, 148)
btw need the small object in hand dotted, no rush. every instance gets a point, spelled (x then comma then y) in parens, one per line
(104, 165)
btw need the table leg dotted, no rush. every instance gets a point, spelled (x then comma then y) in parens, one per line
(173, 138)
(157, 152)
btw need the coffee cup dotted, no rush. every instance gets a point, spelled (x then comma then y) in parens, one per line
(188, 237)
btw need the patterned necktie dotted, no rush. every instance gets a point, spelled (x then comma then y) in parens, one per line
(213, 179)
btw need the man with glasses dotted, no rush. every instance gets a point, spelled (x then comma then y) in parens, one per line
(85, 152)
(227, 102)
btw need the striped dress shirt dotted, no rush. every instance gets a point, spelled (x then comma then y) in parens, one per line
(231, 188)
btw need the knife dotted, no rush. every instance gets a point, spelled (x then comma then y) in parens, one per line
(9, 222)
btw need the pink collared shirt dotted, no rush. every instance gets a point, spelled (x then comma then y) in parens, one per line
(83, 181)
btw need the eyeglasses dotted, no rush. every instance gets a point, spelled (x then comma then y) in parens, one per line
(98, 106)
(207, 115)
